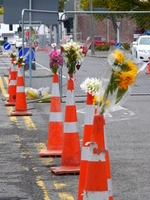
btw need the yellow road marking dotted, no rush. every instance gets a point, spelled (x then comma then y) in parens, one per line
(29, 123)
(41, 184)
(65, 196)
(9, 109)
(45, 160)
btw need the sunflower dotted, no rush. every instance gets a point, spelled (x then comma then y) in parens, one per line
(126, 79)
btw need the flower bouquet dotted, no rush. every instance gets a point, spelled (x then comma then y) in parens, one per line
(19, 61)
(123, 74)
(91, 86)
(56, 60)
(13, 56)
(73, 54)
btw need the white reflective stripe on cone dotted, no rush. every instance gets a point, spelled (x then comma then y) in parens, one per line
(85, 153)
(70, 100)
(89, 114)
(110, 187)
(55, 117)
(13, 68)
(20, 89)
(93, 157)
(13, 82)
(19, 72)
(95, 195)
(70, 127)
(55, 90)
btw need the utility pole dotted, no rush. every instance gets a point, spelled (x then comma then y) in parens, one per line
(92, 29)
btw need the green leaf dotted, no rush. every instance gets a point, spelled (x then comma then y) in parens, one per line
(120, 94)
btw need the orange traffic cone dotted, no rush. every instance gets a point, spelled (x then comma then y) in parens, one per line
(55, 128)
(21, 106)
(70, 159)
(88, 125)
(148, 67)
(96, 185)
(46, 49)
(12, 86)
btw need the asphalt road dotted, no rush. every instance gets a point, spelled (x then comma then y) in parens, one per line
(25, 175)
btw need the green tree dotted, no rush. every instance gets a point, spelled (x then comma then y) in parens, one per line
(61, 5)
(121, 5)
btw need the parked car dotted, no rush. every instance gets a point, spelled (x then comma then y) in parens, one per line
(18, 43)
(140, 48)
(99, 40)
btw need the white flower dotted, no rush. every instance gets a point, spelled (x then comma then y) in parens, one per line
(53, 45)
(91, 86)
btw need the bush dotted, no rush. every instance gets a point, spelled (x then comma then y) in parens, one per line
(2, 43)
(126, 45)
(102, 47)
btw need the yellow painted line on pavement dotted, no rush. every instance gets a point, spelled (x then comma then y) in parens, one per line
(62, 195)
(29, 123)
(9, 109)
(41, 184)
(45, 160)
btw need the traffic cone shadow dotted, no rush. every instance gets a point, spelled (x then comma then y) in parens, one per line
(12, 86)
(21, 105)
(70, 159)
(87, 131)
(55, 127)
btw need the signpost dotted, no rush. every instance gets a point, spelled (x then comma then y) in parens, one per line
(29, 56)
(118, 33)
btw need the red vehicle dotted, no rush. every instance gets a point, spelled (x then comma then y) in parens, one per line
(99, 40)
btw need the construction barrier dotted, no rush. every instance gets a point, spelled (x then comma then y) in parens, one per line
(21, 105)
(55, 128)
(70, 159)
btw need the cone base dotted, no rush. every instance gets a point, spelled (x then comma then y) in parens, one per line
(10, 103)
(147, 73)
(65, 170)
(49, 153)
(20, 113)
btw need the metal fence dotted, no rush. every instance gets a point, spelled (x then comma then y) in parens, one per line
(113, 27)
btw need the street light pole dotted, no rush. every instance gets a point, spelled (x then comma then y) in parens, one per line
(92, 29)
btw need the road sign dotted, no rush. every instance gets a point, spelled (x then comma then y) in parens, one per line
(118, 44)
(7, 46)
(27, 54)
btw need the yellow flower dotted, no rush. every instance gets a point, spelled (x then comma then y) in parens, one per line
(126, 79)
(119, 56)
(131, 65)
(98, 100)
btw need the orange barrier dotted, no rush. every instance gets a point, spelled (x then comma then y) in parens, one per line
(55, 128)
(20, 106)
(88, 125)
(96, 184)
(42, 49)
(148, 67)
(12, 86)
(70, 159)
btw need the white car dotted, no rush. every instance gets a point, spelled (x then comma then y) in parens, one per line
(18, 43)
(141, 48)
